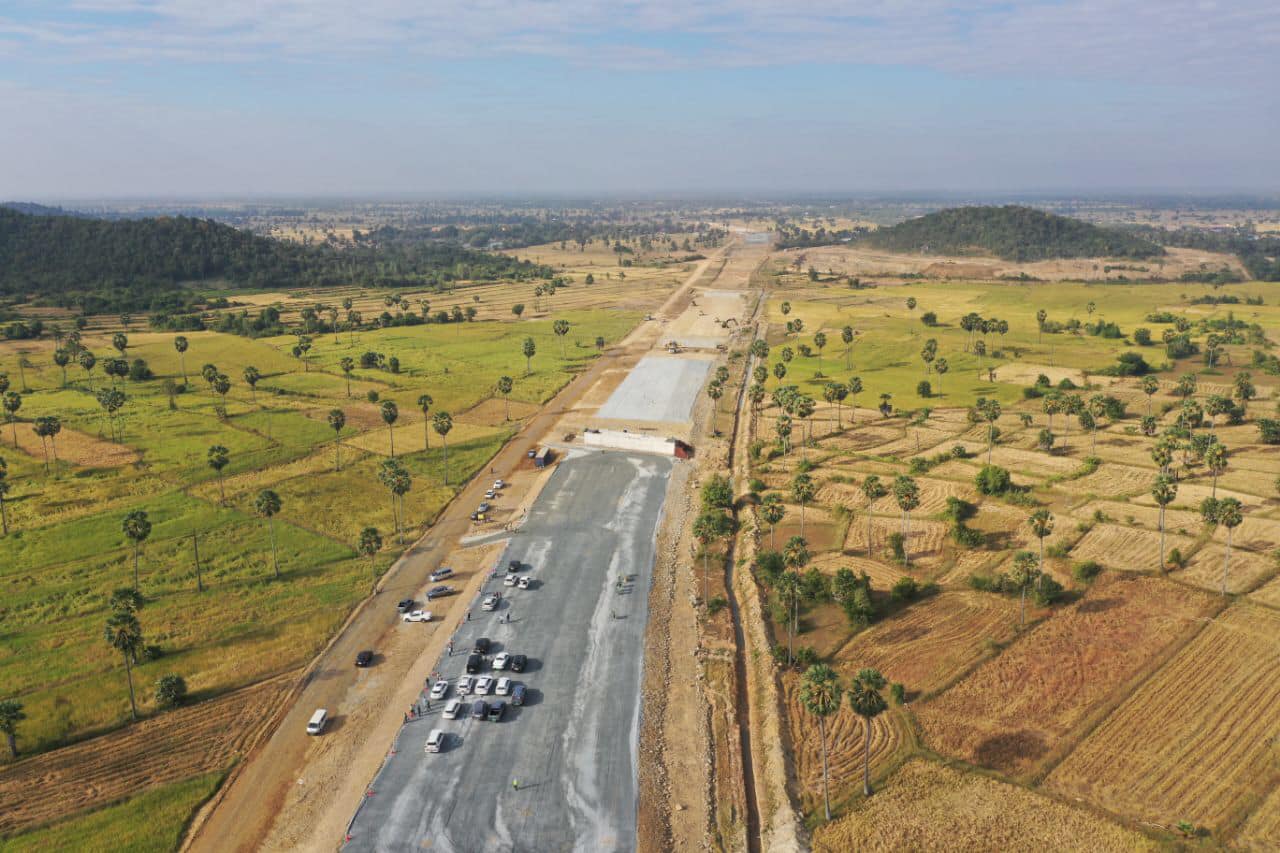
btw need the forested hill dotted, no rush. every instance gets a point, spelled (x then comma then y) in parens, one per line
(1012, 232)
(144, 264)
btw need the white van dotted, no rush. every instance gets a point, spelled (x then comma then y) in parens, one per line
(317, 722)
(435, 740)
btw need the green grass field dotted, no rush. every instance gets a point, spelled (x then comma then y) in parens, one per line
(67, 550)
(891, 336)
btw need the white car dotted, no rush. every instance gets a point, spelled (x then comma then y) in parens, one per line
(524, 582)
(502, 660)
(484, 684)
(440, 689)
(441, 573)
(417, 616)
(453, 709)
(490, 495)
(490, 603)
(465, 685)
(504, 686)
(499, 484)
(510, 580)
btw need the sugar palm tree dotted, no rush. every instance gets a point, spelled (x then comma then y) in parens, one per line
(873, 490)
(1041, 522)
(62, 358)
(253, 376)
(707, 528)
(348, 364)
(267, 505)
(390, 412)
(715, 391)
(802, 491)
(369, 545)
(1163, 493)
(505, 384)
(442, 423)
(123, 633)
(137, 528)
(790, 590)
(820, 341)
(219, 457)
(337, 420)
(181, 344)
(820, 693)
(772, 510)
(12, 403)
(398, 481)
(1023, 575)
(907, 494)
(10, 715)
(88, 361)
(1229, 515)
(1149, 386)
(867, 703)
(529, 349)
(846, 335)
(561, 328)
(855, 388)
(47, 427)
(424, 404)
(1215, 459)
(4, 491)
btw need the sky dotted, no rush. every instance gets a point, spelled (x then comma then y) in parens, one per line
(239, 98)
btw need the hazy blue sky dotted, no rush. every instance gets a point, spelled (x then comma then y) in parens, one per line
(238, 97)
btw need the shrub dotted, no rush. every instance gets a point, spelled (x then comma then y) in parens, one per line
(804, 466)
(958, 452)
(769, 567)
(1058, 549)
(1086, 571)
(898, 692)
(1269, 431)
(171, 690)
(967, 536)
(756, 485)
(924, 389)
(958, 509)
(805, 657)
(139, 372)
(1176, 558)
(897, 547)
(716, 604)
(993, 480)
(1142, 337)
(929, 318)
(717, 493)
(906, 589)
(1046, 591)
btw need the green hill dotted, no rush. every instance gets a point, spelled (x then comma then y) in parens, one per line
(97, 265)
(1011, 232)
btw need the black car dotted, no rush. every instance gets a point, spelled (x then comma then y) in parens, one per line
(479, 709)
(364, 658)
(481, 646)
(405, 606)
(496, 711)
(475, 663)
(518, 663)
(513, 566)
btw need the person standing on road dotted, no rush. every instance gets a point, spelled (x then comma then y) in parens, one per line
(515, 784)
(468, 615)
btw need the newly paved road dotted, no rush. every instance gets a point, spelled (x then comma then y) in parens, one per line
(573, 746)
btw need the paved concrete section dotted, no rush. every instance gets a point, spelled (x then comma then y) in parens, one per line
(657, 389)
(573, 746)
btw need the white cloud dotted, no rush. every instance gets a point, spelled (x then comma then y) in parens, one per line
(1148, 41)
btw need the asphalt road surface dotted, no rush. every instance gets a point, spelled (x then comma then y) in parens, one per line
(572, 747)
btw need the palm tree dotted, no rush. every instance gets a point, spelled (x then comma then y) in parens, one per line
(369, 545)
(10, 715)
(1041, 316)
(989, 410)
(180, 343)
(802, 491)
(1229, 515)
(1215, 458)
(1041, 522)
(442, 423)
(424, 404)
(337, 420)
(47, 426)
(4, 491)
(1163, 493)
(907, 494)
(396, 478)
(1023, 575)
(529, 349)
(790, 590)
(124, 634)
(88, 361)
(873, 490)
(137, 528)
(62, 358)
(820, 341)
(121, 342)
(715, 391)
(855, 388)
(390, 412)
(1149, 386)
(267, 504)
(219, 457)
(772, 510)
(12, 403)
(561, 328)
(820, 693)
(804, 410)
(940, 367)
(252, 376)
(707, 528)
(846, 335)
(867, 703)
(348, 364)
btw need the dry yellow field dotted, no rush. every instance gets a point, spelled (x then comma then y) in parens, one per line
(926, 806)
(1195, 742)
